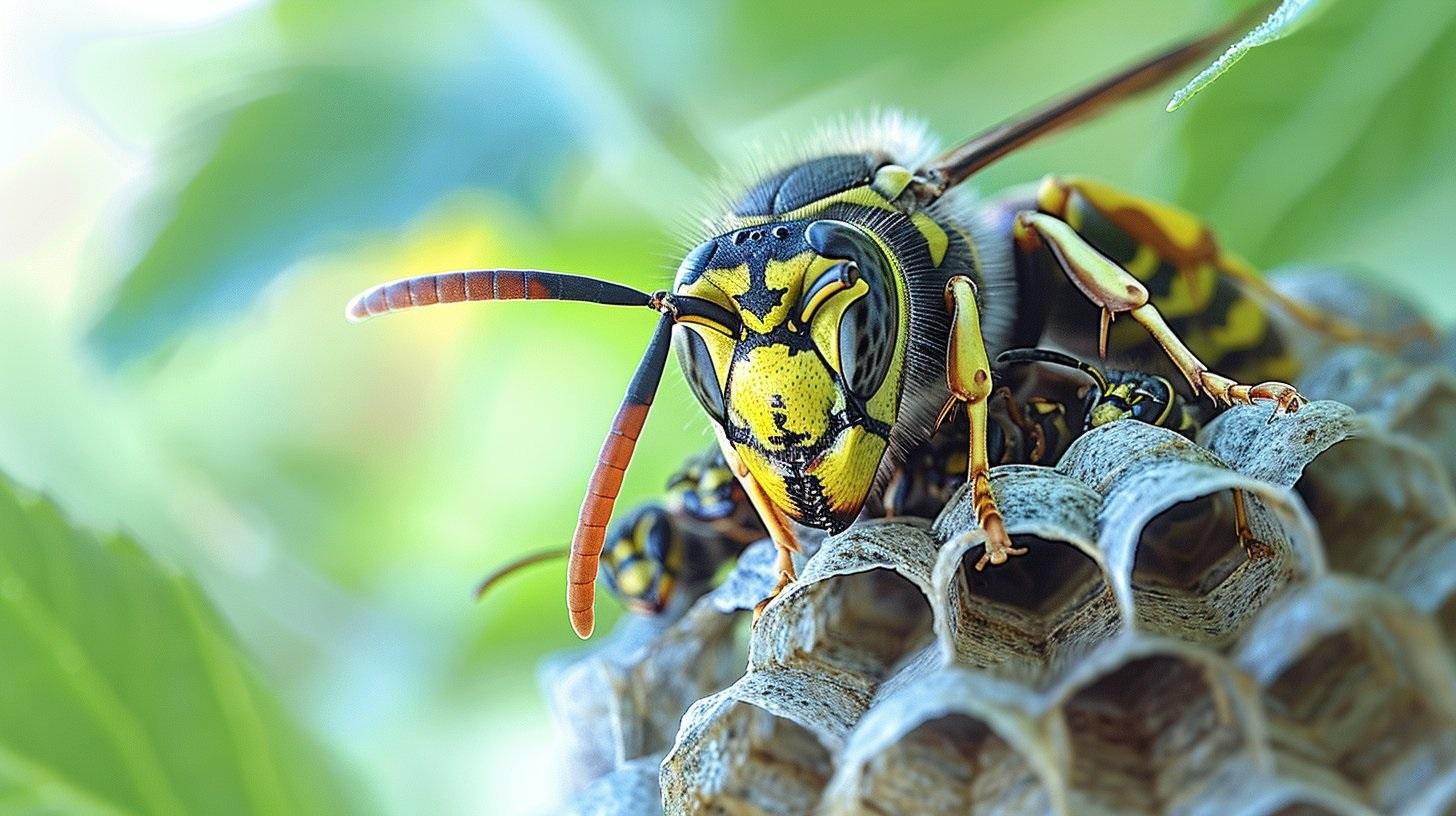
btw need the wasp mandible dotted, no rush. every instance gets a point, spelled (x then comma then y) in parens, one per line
(841, 308)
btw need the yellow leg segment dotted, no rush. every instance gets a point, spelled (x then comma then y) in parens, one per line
(780, 531)
(1115, 291)
(968, 374)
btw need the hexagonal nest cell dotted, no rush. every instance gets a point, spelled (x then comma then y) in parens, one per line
(863, 623)
(1136, 660)
(1147, 731)
(1031, 617)
(951, 764)
(1343, 706)
(1354, 683)
(1194, 577)
(1380, 505)
(758, 763)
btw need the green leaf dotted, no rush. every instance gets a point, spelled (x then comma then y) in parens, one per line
(124, 692)
(1289, 16)
(324, 150)
(1336, 147)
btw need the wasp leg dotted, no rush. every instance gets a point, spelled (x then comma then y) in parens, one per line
(1255, 548)
(1188, 244)
(780, 531)
(1116, 291)
(968, 374)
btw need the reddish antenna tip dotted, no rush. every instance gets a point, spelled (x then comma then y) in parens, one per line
(358, 309)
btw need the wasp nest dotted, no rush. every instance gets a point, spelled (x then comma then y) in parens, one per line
(1137, 660)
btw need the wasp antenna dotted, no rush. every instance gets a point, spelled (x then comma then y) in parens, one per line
(957, 164)
(606, 481)
(1041, 355)
(505, 571)
(490, 284)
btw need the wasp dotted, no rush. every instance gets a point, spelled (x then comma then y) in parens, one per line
(703, 520)
(836, 313)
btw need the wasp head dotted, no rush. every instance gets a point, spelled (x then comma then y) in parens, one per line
(643, 559)
(705, 488)
(807, 387)
(1130, 395)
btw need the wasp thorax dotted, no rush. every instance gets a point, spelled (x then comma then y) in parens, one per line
(806, 387)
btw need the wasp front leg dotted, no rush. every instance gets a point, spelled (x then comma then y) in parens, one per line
(1115, 291)
(780, 530)
(968, 375)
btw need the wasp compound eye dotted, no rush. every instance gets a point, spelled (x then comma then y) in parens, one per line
(699, 371)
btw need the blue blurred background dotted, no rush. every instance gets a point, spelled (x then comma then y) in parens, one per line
(190, 192)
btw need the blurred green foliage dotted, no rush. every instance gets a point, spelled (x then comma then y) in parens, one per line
(185, 372)
(125, 694)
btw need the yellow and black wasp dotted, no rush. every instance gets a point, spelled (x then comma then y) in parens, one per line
(838, 310)
(704, 519)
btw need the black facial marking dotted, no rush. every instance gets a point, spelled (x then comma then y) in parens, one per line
(759, 299)
(786, 438)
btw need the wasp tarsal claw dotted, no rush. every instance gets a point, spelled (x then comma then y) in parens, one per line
(786, 577)
(1224, 391)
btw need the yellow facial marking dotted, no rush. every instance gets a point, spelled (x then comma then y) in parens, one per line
(1104, 412)
(848, 468)
(625, 549)
(720, 350)
(786, 278)
(714, 478)
(824, 328)
(783, 399)
(643, 529)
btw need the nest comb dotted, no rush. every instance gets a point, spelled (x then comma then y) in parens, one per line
(1135, 661)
